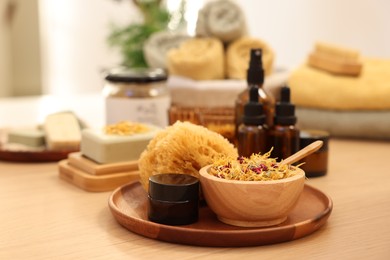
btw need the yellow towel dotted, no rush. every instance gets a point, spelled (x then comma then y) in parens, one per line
(198, 59)
(237, 57)
(316, 88)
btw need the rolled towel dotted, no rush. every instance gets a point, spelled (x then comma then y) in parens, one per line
(157, 46)
(198, 59)
(316, 88)
(237, 57)
(222, 19)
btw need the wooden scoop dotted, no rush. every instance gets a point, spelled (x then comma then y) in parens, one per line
(311, 148)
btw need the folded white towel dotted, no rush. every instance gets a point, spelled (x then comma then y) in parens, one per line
(186, 92)
(358, 124)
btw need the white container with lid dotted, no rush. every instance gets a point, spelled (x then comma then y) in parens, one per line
(137, 95)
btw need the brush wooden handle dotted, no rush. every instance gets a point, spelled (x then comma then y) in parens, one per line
(311, 148)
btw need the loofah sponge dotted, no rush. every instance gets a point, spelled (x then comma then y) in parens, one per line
(198, 59)
(182, 148)
(237, 57)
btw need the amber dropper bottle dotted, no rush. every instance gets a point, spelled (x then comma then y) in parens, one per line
(251, 134)
(283, 136)
(255, 78)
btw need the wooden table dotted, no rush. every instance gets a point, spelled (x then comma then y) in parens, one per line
(44, 217)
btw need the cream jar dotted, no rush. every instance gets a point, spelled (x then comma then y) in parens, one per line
(137, 95)
(315, 164)
(173, 199)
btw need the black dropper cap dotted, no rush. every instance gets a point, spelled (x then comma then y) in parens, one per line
(253, 110)
(255, 72)
(284, 110)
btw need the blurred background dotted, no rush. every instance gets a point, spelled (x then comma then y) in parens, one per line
(60, 46)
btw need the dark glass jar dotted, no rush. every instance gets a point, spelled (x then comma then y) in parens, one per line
(173, 199)
(315, 164)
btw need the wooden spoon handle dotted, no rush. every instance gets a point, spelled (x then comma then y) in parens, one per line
(311, 148)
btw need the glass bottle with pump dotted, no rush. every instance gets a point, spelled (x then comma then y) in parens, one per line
(283, 136)
(255, 78)
(251, 134)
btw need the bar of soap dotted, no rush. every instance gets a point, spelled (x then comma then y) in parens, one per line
(62, 132)
(105, 148)
(32, 137)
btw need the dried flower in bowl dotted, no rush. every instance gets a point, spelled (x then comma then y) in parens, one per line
(257, 167)
(251, 192)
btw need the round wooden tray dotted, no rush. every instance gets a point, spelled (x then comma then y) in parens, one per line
(128, 205)
(33, 156)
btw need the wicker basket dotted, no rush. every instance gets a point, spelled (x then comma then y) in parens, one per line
(218, 119)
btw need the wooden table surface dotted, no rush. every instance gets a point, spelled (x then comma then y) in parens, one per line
(44, 217)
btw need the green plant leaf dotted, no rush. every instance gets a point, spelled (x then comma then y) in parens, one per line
(130, 39)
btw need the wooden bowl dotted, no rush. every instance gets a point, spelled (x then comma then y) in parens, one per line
(251, 203)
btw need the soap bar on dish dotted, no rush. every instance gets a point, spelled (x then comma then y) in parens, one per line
(62, 132)
(94, 183)
(32, 137)
(105, 148)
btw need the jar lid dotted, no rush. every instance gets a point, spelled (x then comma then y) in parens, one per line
(136, 75)
(312, 135)
(173, 187)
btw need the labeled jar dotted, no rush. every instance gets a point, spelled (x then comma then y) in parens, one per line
(137, 95)
(315, 164)
(173, 199)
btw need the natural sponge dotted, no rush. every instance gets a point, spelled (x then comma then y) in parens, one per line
(182, 148)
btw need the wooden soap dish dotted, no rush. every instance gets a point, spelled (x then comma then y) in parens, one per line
(73, 171)
(33, 156)
(28, 156)
(92, 167)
